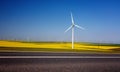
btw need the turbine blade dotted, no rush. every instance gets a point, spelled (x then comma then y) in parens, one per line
(79, 27)
(72, 18)
(69, 28)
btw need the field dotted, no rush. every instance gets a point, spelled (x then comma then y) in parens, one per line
(6, 46)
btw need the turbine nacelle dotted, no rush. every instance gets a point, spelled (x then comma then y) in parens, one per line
(73, 25)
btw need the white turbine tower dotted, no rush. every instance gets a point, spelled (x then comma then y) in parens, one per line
(72, 27)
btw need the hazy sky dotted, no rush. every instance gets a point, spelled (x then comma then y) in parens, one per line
(46, 20)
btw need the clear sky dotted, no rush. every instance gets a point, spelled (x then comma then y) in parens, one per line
(46, 20)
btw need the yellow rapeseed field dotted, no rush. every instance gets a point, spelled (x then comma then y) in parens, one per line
(57, 45)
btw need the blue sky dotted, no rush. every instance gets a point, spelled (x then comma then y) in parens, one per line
(46, 20)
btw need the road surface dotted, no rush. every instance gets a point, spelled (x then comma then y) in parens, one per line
(58, 62)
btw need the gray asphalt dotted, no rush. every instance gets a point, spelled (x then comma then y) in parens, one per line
(58, 64)
(54, 54)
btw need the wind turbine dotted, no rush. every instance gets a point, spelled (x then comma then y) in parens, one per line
(72, 27)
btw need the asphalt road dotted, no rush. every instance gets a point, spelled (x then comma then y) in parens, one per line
(82, 62)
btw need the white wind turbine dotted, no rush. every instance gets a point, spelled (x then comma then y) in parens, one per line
(72, 27)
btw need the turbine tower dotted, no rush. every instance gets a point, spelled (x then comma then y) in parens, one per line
(72, 27)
